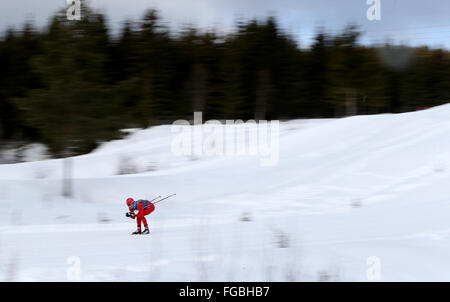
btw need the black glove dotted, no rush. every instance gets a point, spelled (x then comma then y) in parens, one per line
(128, 214)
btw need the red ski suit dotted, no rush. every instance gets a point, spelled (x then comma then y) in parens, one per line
(140, 216)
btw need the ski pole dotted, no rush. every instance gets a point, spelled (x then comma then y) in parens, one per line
(165, 198)
(155, 198)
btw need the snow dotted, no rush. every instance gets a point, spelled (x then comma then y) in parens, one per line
(24, 153)
(343, 190)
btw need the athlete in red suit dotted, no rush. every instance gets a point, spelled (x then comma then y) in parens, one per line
(144, 208)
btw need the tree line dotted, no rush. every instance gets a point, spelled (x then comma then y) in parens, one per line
(73, 84)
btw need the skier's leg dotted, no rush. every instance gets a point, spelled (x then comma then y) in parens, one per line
(150, 209)
(145, 223)
(141, 218)
(138, 219)
(146, 212)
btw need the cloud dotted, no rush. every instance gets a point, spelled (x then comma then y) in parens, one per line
(410, 21)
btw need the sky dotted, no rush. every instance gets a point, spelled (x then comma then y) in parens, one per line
(410, 22)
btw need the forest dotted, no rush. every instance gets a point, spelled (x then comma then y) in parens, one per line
(73, 85)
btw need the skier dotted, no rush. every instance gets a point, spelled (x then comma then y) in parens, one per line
(144, 207)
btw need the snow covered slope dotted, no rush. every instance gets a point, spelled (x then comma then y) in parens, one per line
(352, 199)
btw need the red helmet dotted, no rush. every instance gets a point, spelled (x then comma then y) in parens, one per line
(130, 201)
